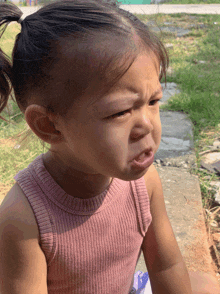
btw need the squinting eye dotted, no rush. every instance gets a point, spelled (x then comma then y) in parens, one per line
(120, 114)
(153, 102)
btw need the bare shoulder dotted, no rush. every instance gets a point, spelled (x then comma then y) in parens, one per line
(152, 180)
(23, 267)
(16, 208)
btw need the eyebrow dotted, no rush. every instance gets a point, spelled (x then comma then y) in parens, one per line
(124, 102)
(136, 97)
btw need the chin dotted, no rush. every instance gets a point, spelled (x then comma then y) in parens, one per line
(133, 177)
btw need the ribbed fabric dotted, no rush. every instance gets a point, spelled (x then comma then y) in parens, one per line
(91, 245)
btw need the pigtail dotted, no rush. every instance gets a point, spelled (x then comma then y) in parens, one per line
(8, 13)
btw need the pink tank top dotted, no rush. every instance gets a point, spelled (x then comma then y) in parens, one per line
(91, 245)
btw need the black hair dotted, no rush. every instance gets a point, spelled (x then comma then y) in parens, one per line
(78, 26)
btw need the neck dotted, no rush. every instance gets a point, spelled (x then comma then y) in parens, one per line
(73, 182)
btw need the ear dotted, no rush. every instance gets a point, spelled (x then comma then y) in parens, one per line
(42, 124)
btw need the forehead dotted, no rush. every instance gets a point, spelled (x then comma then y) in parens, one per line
(142, 78)
(74, 74)
(140, 81)
(84, 65)
(144, 70)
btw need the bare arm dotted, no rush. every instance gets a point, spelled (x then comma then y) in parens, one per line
(167, 270)
(23, 268)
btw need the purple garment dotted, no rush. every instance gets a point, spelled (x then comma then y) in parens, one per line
(141, 281)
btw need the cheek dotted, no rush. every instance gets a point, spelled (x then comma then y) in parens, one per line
(112, 141)
(157, 132)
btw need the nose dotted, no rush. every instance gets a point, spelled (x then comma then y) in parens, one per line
(143, 125)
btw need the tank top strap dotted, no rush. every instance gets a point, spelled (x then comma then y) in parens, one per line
(142, 202)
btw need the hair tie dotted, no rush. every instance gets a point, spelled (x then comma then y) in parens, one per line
(21, 19)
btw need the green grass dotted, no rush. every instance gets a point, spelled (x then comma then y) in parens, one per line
(8, 38)
(20, 157)
(12, 159)
(199, 97)
(18, 147)
(199, 83)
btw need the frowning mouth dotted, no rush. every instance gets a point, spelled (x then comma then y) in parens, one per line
(143, 161)
(142, 155)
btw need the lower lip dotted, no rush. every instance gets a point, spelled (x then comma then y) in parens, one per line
(149, 159)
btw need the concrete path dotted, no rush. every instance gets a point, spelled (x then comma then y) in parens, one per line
(156, 8)
(173, 8)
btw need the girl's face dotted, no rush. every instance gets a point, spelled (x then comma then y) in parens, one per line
(102, 136)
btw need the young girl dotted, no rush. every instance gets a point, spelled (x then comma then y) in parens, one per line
(87, 76)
